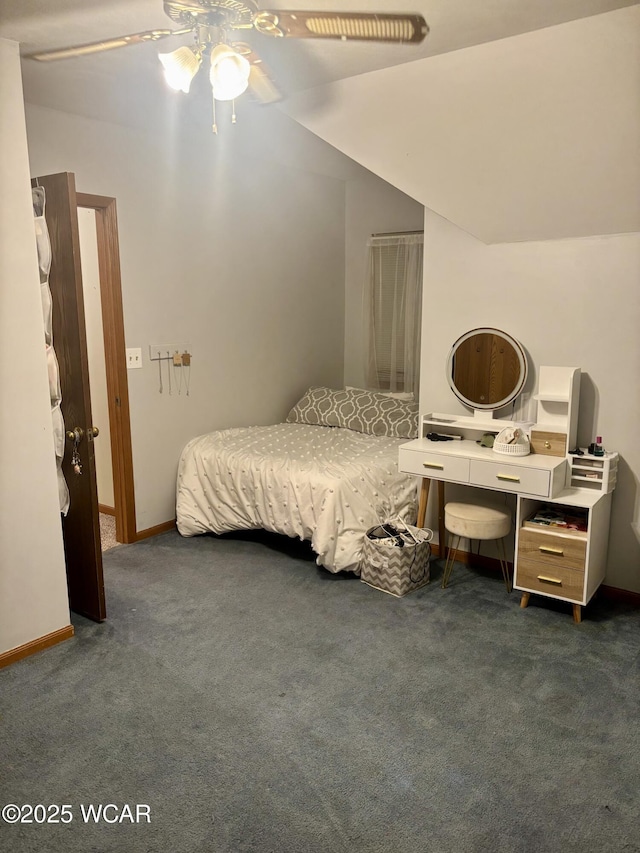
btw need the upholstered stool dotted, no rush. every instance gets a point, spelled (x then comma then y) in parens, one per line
(472, 521)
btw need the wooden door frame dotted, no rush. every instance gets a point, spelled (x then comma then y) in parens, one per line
(115, 361)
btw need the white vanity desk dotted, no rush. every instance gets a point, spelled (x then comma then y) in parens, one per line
(467, 463)
(486, 370)
(566, 566)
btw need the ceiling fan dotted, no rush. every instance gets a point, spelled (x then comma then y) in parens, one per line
(235, 66)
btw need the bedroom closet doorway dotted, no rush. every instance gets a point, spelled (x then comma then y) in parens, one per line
(104, 326)
(81, 531)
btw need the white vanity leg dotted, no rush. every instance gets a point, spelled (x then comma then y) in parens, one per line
(424, 497)
(442, 535)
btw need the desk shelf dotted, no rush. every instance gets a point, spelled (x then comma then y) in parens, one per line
(552, 398)
(467, 427)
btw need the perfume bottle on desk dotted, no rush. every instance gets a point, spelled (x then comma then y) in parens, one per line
(596, 449)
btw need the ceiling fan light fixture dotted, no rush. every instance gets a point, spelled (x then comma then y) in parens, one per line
(180, 67)
(235, 66)
(229, 73)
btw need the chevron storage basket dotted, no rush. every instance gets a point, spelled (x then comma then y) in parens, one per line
(392, 568)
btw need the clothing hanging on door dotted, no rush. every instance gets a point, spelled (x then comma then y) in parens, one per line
(44, 262)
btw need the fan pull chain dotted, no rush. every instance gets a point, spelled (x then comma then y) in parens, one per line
(233, 111)
(214, 127)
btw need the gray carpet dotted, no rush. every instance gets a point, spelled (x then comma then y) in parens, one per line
(258, 703)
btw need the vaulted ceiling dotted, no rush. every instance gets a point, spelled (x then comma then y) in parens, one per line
(534, 137)
(516, 120)
(126, 85)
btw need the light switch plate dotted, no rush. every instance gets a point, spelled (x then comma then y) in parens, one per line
(134, 357)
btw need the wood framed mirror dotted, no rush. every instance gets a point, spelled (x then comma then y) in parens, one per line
(487, 369)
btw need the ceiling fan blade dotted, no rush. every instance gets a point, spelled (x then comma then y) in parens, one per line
(261, 84)
(362, 26)
(100, 46)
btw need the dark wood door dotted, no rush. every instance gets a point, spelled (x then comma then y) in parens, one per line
(81, 526)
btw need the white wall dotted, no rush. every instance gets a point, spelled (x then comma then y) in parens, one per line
(33, 589)
(238, 257)
(568, 302)
(527, 138)
(373, 206)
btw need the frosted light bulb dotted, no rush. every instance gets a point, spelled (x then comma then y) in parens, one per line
(180, 67)
(229, 74)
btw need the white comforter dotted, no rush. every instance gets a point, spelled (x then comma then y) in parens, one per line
(323, 484)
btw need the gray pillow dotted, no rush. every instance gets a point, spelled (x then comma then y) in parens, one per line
(362, 411)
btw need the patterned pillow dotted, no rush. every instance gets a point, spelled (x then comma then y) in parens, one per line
(319, 406)
(407, 396)
(361, 411)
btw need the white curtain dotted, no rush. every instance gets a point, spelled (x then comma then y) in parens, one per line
(392, 312)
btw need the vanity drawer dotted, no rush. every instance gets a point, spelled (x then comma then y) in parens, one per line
(534, 576)
(435, 465)
(552, 551)
(549, 443)
(510, 478)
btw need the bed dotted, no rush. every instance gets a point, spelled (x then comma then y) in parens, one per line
(325, 475)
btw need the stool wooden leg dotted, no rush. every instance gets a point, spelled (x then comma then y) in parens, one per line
(577, 613)
(451, 558)
(504, 565)
(525, 599)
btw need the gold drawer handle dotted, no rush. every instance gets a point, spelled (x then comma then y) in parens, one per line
(510, 477)
(545, 549)
(432, 465)
(554, 581)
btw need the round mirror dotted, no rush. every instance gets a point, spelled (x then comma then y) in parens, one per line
(486, 369)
